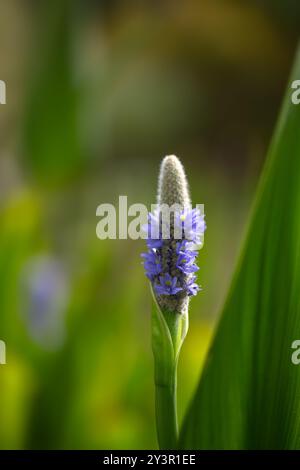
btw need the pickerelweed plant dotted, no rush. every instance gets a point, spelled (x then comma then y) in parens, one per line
(174, 232)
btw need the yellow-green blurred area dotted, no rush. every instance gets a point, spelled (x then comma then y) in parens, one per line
(97, 93)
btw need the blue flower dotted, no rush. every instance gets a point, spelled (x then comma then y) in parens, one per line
(153, 231)
(153, 243)
(170, 264)
(185, 262)
(192, 287)
(192, 224)
(167, 285)
(184, 245)
(152, 263)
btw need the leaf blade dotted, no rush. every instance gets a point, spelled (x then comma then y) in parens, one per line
(247, 396)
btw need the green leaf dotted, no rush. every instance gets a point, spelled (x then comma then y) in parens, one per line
(248, 396)
(162, 347)
(168, 332)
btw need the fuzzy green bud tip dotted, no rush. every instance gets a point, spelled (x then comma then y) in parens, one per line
(172, 183)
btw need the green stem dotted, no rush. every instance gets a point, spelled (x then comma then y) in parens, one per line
(168, 332)
(166, 413)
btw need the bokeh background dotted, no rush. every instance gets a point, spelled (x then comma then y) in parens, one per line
(97, 93)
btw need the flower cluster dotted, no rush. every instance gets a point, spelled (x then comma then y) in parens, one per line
(170, 263)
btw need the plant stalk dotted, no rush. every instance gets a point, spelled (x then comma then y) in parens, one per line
(166, 412)
(168, 332)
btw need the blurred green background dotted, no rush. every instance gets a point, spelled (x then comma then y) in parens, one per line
(97, 93)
